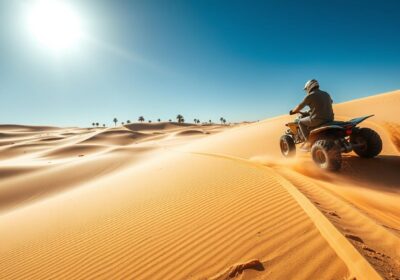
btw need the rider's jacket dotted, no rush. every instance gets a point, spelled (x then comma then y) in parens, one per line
(320, 104)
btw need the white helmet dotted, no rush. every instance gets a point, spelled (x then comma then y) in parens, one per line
(310, 85)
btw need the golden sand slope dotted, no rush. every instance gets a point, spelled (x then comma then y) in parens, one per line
(51, 155)
(166, 201)
(168, 225)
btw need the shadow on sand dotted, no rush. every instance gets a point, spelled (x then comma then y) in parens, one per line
(379, 172)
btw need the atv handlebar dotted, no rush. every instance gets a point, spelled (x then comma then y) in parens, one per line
(304, 114)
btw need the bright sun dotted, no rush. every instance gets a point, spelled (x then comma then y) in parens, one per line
(54, 24)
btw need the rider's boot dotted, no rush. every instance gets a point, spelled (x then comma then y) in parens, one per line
(305, 147)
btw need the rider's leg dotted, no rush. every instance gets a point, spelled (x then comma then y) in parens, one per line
(304, 124)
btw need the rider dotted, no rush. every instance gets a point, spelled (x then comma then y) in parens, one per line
(320, 104)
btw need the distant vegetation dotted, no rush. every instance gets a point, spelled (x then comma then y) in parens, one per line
(179, 118)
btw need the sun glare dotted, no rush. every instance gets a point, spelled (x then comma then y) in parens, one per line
(54, 24)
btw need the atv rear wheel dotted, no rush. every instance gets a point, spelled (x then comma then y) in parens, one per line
(288, 148)
(326, 154)
(367, 142)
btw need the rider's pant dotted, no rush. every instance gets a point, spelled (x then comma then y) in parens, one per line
(304, 124)
(307, 123)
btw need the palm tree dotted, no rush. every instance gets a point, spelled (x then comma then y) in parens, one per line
(159, 120)
(122, 123)
(104, 125)
(195, 120)
(149, 121)
(170, 120)
(224, 121)
(128, 121)
(115, 120)
(180, 118)
(97, 124)
(198, 121)
(210, 121)
(141, 119)
(93, 124)
(221, 120)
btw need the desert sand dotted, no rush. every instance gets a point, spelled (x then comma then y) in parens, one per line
(181, 201)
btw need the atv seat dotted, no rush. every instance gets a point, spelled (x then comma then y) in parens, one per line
(330, 125)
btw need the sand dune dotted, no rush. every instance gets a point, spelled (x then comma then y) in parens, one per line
(190, 132)
(26, 128)
(157, 126)
(116, 137)
(181, 201)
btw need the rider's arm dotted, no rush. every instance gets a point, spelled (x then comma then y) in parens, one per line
(300, 106)
(297, 109)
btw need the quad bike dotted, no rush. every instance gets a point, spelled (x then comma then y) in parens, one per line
(330, 140)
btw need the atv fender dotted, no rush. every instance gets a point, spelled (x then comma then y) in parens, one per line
(324, 128)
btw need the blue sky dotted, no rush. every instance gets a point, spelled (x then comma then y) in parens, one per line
(244, 60)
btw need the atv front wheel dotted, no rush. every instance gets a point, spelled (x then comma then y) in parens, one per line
(367, 143)
(288, 148)
(326, 154)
